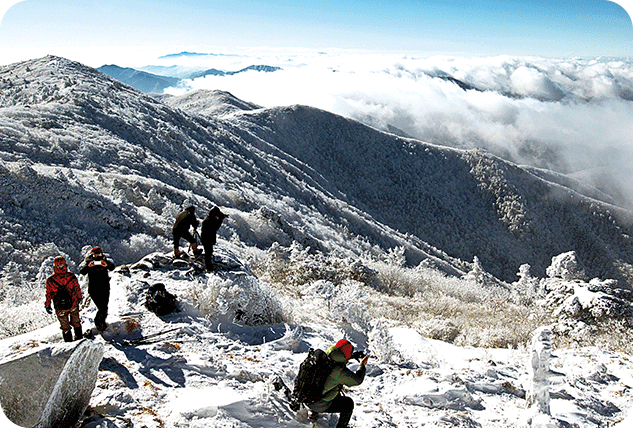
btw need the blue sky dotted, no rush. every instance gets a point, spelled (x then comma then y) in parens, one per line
(80, 29)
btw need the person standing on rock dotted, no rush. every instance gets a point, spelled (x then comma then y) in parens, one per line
(210, 225)
(184, 221)
(96, 266)
(62, 289)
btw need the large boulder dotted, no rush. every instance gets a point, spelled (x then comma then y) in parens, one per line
(49, 386)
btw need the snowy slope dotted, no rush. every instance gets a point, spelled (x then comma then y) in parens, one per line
(198, 369)
(467, 203)
(321, 175)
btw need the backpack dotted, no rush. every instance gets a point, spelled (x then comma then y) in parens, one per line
(313, 373)
(62, 299)
(160, 301)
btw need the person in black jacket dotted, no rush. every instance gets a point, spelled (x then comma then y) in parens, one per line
(96, 266)
(184, 221)
(210, 226)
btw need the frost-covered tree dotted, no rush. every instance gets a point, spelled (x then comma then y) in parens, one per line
(566, 266)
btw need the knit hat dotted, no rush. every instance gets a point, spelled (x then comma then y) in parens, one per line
(96, 250)
(345, 347)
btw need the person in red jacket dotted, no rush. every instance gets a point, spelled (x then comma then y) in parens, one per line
(62, 289)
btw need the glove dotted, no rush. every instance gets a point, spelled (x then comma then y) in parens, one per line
(49, 309)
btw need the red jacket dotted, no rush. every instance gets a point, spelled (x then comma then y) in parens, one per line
(64, 279)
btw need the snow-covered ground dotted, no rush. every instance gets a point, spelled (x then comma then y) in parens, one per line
(195, 368)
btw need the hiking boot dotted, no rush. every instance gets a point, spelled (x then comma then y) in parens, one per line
(67, 335)
(78, 333)
(176, 253)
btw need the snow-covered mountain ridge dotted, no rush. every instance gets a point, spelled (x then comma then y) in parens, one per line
(62, 114)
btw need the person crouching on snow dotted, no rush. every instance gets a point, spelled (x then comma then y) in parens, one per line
(62, 289)
(96, 266)
(332, 401)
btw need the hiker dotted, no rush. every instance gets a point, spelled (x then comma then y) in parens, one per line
(96, 266)
(62, 288)
(184, 221)
(210, 226)
(332, 401)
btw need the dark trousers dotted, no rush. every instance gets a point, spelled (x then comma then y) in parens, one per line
(208, 254)
(182, 234)
(101, 302)
(341, 404)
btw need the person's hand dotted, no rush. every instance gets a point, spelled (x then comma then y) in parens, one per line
(363, 362)
(49, 309)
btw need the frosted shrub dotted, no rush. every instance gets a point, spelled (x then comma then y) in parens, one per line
(381, 343)
(246, 301)
(350, 305)
(527, 288)
(399, 280)
(565, 266)
(291, 268)
(137, 247)
(343, 304)
(21, 319)
(476, 310)
(463, 310)
(440, 329)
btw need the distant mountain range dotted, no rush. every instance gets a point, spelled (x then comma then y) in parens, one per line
(157, 83)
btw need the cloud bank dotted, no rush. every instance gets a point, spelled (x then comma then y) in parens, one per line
(573, 116)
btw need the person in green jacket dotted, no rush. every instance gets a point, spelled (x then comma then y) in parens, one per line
(332, 401)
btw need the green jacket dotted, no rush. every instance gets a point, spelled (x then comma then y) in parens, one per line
(341, 375)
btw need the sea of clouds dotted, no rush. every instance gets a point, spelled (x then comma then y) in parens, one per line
(573, 116)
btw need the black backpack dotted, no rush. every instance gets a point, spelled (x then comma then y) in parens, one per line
(160, 301)
(62, 299)
(313, 373)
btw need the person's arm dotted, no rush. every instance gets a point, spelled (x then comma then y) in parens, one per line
(83, 270)
(349, 378)
(51, 289)
(75, 290)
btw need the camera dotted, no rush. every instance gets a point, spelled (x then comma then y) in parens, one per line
(359, 355)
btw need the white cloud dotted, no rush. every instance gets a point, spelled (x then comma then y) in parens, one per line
(571, 115)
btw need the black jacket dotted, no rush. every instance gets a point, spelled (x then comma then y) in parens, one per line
(210, 226)
(98, 277)
(185, 220)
